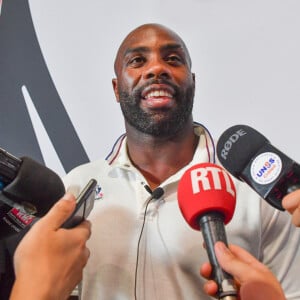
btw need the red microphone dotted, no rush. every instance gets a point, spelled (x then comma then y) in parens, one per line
(206, 197)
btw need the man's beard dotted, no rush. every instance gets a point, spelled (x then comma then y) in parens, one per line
(164, 122)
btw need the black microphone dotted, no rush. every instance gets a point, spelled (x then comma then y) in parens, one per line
(28, 189)
(157, 193)
(250, 157)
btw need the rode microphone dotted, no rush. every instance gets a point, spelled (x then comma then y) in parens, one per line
(27, 190)
(207, 197)
(250, 157)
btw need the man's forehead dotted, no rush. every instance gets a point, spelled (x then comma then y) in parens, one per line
(149, 37)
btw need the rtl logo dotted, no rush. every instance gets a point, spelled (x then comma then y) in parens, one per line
(211, 177)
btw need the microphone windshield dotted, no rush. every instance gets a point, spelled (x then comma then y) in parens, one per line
(206, 188)
(36, 185)
(29, 190)
(237, 146)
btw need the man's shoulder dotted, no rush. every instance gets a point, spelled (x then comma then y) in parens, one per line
(93, 168)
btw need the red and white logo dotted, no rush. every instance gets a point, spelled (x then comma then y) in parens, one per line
(21, 217)
(211, 178)
(206, 187)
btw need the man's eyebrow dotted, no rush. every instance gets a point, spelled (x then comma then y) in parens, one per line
(136, 49)
(172, 47)
(143, 49)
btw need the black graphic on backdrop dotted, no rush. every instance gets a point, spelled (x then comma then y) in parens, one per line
(22, 63)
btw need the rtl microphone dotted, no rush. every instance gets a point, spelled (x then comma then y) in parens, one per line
(250, 157)
(27, 190)
(207, 197)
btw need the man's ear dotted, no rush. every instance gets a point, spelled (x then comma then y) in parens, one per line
(115, 87)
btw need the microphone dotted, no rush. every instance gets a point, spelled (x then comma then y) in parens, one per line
(206, 198)
(155, 194)
(251, 158)
(27, 190)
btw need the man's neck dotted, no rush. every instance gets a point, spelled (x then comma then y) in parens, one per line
(159, 158)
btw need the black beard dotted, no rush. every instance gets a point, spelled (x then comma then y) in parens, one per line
(161, 122)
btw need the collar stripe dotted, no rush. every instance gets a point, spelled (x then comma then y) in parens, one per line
(115, 149)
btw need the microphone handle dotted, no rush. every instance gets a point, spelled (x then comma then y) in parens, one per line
(213, 230)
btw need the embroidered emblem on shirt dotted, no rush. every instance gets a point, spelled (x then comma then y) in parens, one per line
(99, 192)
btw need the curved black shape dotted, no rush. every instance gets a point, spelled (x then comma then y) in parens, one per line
(22, 63)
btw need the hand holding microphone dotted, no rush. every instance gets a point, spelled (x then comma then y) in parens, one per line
(50, 253)
(254, 279)
(206, 197)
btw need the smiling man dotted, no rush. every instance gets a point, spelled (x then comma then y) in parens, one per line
(141, 247)
(155, 86)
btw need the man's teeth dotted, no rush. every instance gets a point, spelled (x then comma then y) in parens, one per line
(159, 93)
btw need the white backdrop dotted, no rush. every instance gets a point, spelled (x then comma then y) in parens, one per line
(246, 56)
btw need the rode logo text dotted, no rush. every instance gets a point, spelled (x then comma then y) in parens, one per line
(232, 139)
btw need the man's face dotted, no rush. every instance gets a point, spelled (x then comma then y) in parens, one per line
(154, 85)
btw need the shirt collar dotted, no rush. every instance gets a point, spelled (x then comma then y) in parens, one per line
(204, 151)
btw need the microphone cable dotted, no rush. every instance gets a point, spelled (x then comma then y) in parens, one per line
(156, 194)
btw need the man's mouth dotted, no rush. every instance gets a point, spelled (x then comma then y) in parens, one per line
(157, 94)
(158, 97)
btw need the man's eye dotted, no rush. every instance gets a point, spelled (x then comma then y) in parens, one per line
(174, 59)
(136, 61)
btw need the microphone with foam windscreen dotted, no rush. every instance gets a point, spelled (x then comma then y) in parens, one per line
(28, 189)
(207, 197)
(250, 157)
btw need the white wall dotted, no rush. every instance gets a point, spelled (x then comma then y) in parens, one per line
(245, 55)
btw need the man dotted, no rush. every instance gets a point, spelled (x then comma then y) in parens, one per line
(141, 247)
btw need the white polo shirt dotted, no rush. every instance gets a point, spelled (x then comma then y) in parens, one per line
(170, 252)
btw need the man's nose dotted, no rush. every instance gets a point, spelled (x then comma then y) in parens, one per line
(157, 69)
